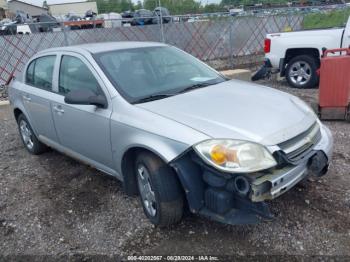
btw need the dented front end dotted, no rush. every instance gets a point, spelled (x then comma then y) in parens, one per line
(240, 198)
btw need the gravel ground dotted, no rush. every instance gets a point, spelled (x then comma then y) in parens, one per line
(53, 205)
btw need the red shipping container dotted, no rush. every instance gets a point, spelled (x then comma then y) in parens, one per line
(334, 92)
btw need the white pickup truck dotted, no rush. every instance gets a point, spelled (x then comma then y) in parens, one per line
(296, 55)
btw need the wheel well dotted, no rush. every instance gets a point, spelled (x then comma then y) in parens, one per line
(128, 160)
(17, 112)
(313, 52)
(291, 53)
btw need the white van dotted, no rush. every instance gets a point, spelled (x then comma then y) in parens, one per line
(23, 29)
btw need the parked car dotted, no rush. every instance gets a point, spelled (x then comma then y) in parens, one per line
(296, 55)
(23, 29)
(142, 17)
(48, 23)
(13, 28)
(8, 28)
(127, 14)
(127, 18)
(174, 130)
(159, 12)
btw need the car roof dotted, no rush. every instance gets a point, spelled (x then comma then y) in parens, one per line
(104, 46)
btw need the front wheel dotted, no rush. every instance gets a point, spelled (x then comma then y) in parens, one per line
(301, 72)
(160, 190)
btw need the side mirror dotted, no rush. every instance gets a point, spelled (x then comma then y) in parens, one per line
(85, 97)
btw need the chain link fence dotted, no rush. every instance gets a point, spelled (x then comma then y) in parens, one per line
(3, 92)
(221, 41)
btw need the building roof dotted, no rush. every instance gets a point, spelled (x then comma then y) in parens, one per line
(26, 3)
(72, 2)
(105, 46)
(3, 4)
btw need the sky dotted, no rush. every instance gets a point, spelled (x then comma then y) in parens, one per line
(40, 2)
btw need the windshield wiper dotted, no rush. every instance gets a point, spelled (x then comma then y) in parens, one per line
(161, 96)
(152, 98)
(195, 86)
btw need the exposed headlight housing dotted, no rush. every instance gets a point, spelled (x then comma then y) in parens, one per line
(235, 156)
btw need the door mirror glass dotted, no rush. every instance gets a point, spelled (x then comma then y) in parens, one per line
(85, 97)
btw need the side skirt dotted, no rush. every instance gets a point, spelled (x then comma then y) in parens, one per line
(80, 157)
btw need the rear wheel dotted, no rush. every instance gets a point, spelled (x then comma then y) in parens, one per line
(160, 191)
(30, 141)
(301, 72)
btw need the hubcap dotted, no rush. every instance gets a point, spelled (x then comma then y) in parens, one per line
(300, 73)
(147, 194)
(26, 134)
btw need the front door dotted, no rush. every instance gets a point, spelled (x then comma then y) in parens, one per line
(84, 129)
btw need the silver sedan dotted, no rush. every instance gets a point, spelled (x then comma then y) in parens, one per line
(172, 129)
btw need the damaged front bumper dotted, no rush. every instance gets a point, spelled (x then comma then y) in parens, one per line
(279, 181)
(273, 185)
(240, 198)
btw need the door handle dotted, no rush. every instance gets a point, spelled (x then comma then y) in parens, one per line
(26, 98)
(58, 109)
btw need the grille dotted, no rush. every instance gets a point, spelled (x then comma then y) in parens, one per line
(297, 147)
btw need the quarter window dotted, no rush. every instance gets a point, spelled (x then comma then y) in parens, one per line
(74, 74)
(39, 72)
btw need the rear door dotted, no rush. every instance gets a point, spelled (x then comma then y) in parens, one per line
(83, 129)
(37, 95)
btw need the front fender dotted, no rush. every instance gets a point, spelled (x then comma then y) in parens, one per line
(124, 138)
(134, 127)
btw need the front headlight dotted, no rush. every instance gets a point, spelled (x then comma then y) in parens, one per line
(235, 156)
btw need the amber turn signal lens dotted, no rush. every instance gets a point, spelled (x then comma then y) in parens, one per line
(218, 154)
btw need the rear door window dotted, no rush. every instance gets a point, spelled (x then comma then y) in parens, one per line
(40, 71)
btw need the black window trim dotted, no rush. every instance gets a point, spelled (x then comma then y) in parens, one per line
(32, 62)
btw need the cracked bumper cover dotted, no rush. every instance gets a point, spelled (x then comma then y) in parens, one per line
(281, 180)
(210, 192)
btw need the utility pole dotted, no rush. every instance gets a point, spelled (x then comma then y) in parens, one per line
(161, 22)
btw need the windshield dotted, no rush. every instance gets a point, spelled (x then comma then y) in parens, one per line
(155, 72)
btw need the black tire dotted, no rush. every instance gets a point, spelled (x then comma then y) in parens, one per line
(37, 148)
(169, 201)
(311, 65)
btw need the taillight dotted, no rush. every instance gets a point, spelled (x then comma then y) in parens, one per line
(267, 45)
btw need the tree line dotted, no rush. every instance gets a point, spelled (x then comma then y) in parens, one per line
(176, 7)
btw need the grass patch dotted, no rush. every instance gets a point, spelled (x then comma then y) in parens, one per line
(326, 20)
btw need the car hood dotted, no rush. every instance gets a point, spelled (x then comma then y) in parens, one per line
(237, 110)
